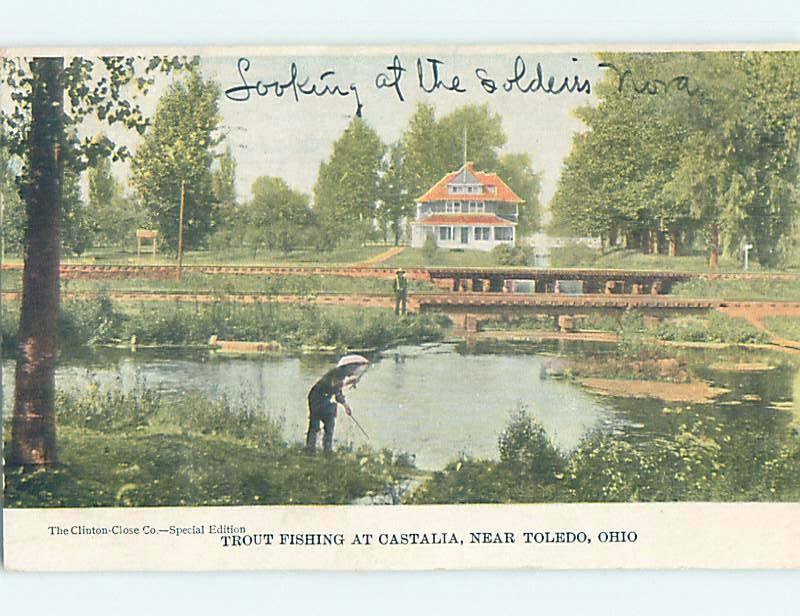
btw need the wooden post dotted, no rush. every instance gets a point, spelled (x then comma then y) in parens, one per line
(180, 229)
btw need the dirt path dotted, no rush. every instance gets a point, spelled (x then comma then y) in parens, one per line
(384, 256)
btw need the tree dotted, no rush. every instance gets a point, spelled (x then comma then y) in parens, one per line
(77, 227)
(723, 158)
(517, 171)
(114, 215)
(347, 188)
(102, 185)
(423, 163)
(35, 131)
(33, 425)
(484, 136)
(223, 179)
(278, 217)
(13, 227)
(179, 147)
(430, 149)
(395, 206)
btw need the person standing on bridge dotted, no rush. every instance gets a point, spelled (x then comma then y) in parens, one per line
(326, 393)
(400, 287)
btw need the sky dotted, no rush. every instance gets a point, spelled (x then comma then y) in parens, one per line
(280, 136)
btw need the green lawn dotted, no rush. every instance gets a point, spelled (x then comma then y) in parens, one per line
(633, 259)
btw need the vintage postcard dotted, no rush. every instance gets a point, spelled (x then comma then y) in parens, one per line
(400, 308)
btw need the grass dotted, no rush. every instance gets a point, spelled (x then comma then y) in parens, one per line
(231, 256)
(190, 453)
(743, 289)
(784, 327)
(416, 257)
(581, 256)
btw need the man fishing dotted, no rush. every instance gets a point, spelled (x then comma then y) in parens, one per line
(324, 396)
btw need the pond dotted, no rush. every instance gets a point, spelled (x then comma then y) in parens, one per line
(435, 402)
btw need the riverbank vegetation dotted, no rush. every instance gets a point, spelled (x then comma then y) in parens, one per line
(137, 449)
(100, 321)
(140, 450)
(700, 461)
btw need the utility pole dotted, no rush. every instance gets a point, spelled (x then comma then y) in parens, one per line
(180, 229)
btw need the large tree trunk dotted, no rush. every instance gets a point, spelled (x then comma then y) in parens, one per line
(33, 428)
(673, 242)
(714, 259)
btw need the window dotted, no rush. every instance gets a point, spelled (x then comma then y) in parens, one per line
(477, 206)
(453, 206)
(445, 233)
(483, 233)
(504, 234)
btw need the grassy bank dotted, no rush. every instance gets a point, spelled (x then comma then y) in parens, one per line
(137, 450)
(699, 462)
(101, 321)
(744, 289)
(713, 327)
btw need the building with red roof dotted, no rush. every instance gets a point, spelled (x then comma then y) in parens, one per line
(467, 209)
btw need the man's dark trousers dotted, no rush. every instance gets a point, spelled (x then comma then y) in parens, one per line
(324, 414)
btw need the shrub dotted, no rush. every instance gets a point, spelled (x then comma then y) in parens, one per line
(513, 255)
(526, 450)
(430, 249)
(576, 255)
(715, 328)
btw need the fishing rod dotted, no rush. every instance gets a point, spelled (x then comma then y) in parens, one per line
(350, 415)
